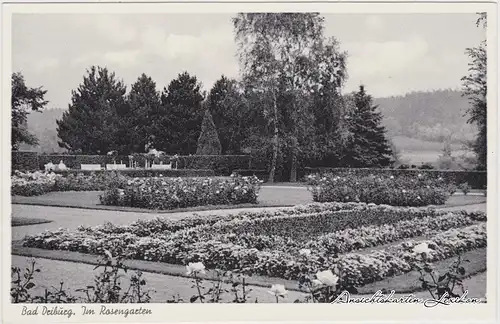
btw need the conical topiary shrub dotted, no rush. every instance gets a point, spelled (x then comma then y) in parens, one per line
(208, 142)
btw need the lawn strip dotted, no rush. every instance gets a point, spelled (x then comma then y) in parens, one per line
(156, 211)
(404, 283)
(25, 221)
(270, 196)
(409, 283)
(142, 265)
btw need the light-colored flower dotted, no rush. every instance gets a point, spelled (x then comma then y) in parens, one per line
(278, 290)
(305, 252)
(420, 175)
(108, 254)
(404, 191)
(327, 278)
(392, 177)
(196, 267)
(316, 283)
(421, 248)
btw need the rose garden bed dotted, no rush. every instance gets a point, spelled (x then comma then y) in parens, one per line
(288, 242)
(168, 193)
(401, 190)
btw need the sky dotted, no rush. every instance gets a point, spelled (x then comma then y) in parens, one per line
(391, 54)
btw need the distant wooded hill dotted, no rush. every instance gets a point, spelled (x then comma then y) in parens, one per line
(429, 117)
(435, 116)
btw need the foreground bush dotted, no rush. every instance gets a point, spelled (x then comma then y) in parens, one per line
(324, 286)
(406, 190)
(167, 193)
(39, 183)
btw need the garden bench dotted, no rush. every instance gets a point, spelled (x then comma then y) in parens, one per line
(116, 166)
(162, 166)
(91, 167)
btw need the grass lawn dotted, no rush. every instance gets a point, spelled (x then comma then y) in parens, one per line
(24, 221)
(269, 196)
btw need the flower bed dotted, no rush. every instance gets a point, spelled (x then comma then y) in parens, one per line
(403, 190)
(165, 225)
(476, 179)
(303, 227)
(167, 193)
(215, 242)
(39, 183)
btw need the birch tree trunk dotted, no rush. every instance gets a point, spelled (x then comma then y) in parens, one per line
(274, 160)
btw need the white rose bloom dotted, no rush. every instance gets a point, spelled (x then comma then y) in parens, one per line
(197, 267)
(108, 254)
(327, 278)
(278, 290)
(421, 248)
(305, 252)
(316, 283)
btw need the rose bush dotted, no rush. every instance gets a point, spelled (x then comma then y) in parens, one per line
(357, 269)
(160, 224)
(169, 193)
(403, 190)
(222, 242)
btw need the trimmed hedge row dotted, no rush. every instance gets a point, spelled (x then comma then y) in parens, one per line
(222, 165)
(24, 160)
(476, 179)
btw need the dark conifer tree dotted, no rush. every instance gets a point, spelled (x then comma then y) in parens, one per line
(368, 145)
(182, 116)
(92, 123)
(227, 106)
(208, 142)
(145, 113)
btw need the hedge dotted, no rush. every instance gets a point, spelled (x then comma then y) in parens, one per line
(221, 164)
(140, 173)
(24, 160)
(476, 179)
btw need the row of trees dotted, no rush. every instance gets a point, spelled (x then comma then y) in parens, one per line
(286, 109)
(475, 87)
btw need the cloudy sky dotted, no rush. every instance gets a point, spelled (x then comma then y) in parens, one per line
(391, 54)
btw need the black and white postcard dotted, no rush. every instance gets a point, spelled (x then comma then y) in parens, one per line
(314, 161)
